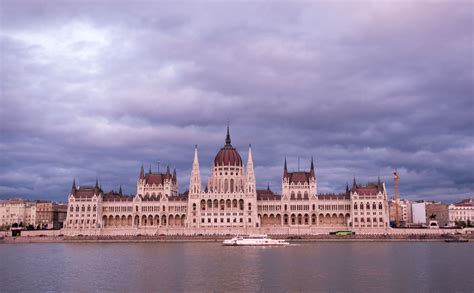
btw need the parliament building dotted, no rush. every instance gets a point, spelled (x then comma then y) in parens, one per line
(228, 203)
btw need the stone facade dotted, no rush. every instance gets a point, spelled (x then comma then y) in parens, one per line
(463, 211)
(228, 203)
(50, 215)
(17, 211)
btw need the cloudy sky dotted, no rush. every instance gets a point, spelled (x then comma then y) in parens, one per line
(93, 89)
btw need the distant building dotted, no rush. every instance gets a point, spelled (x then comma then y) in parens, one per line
(461, 212)
(404, 210)
(17, 211)
(418, 212)
(50, 215)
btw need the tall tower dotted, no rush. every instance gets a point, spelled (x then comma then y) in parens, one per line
(396, 197)
(250, 174)
(195, 179)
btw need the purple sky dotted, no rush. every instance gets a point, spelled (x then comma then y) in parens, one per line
(91, 89)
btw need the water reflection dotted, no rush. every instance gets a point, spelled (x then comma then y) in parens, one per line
(205, 267)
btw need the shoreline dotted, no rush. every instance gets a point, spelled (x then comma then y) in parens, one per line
(211, 239)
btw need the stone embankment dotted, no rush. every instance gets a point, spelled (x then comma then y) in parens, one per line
(219, 238)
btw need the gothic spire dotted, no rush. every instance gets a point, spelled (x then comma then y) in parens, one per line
(96, 182)
(285, 170)
(227, 138)
(74, 184)
(120, 189)
(312, 168)
(354, 184)
(175, 178)
(142, 172)
(149, 169)
(168, 169)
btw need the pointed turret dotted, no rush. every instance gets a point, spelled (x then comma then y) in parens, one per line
(354, 184)
(195, 179)
(285, 170)
(149, 169)
(251, 184)
(168, 173)
(174, 178)
(74, 184)
(120, 189)
(311, 172)
(96, 182)
(268, 186)
(142, 173)
(347, 188)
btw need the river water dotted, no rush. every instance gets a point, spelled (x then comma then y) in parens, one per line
(210, 267)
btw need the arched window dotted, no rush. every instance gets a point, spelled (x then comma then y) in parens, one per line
(226, 185)
(380, 206)
(83, 209)
(250, 206)
(305, 195)
(355, 206)
(298, 195)
(88, 208)
(209, 204)
(203, 205)
(194, 206)
(292, 195)
(368, 206)
(231, 185)
(241, 204)
(361, 206)
(94, 208)
(374, 206)
(71, 209)
(222, 204)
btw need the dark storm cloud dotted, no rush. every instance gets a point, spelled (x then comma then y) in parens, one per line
(93, 89)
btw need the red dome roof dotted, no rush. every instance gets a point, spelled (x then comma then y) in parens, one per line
(228, 155)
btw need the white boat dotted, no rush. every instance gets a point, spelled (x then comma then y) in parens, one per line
(254, 240)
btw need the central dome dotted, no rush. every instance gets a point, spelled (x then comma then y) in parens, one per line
(228, 155)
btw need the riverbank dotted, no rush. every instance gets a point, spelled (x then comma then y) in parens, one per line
(220, 238)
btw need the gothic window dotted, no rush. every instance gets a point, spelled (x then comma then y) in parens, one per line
(374, 206)
(226, 185)
(231, 185)
(355, 206)
(298, 196)
(361, 206)
(380, 206)
(194, 206)
(94, 209)
(292, 195)
(305, 195)
(250, 206)
(368, 206)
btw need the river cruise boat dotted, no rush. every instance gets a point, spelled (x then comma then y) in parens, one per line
(254, 240)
